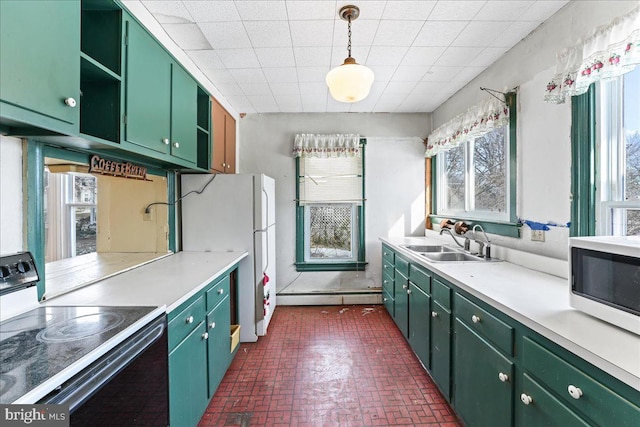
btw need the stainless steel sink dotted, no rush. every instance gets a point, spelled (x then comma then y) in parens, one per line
(429, 248)
(451, 256)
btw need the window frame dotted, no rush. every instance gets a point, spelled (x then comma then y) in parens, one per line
(358, 263)
(509, 227)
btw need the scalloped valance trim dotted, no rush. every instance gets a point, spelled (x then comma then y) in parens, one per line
(330, 145)
(479, 120)
(607, 52)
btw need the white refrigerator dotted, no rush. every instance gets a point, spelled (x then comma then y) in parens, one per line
(236, 212)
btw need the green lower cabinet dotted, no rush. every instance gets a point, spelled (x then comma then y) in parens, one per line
(218, 344)
(419, 322)
(388, 302)
(401, 301)
(188, 379)
(483, 390)
(441, 348)
(539, 408)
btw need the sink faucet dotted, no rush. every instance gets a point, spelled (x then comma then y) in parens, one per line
(466, 239)
(486, 245)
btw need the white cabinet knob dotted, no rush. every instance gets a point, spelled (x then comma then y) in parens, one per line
(408, 291)
(434, 314)
(212, 325)
(385, 282)
(475, 319)
(503, 377)
(165, 141)
(189, 319)
(404, 286)
(385, 299)
(526, 399)
(386, 266)
(220, 291)
(70, 102)
(385, 254)
(176, 144)
(574, 392)
(224, 165)
(205, 336)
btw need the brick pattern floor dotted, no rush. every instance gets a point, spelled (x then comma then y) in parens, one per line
(328, 366)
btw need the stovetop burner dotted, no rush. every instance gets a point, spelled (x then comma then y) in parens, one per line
(41, 343)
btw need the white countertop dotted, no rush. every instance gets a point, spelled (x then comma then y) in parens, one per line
(540, 302)
(166, 282)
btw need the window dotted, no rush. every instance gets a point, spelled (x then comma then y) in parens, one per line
(330, 213)
(618, 155)
(605, 169)
(476, 179)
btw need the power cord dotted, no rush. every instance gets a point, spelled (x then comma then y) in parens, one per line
(147, 210)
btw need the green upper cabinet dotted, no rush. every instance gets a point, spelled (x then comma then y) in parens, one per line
(184, 111)
(40, 64)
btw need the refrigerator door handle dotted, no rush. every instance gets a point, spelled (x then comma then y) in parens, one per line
(266, 195)
(264, 230)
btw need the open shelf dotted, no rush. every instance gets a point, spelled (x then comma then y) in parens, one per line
(101, 33)
(99, 102)
(203, 110)
(204, 151)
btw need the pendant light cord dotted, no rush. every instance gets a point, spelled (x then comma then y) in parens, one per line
(349, 33)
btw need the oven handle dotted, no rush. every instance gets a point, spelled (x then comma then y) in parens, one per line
(78, 389)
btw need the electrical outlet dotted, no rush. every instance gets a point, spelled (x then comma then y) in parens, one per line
(537, 235)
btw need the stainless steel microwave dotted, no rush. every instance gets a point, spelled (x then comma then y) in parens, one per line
(604, 277)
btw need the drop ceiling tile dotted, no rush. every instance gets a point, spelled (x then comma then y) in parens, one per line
(383, 73)
(315, 90)
(312, 33)
(402, 88)
(441, 74)
(311, 10)
(480, 34)
(411, 106)
(542, 10)
(514, 34)
(168, 12)
(285, 89)
(439, 33)
(249, 75)
(255, 89)
(408, 10)
(450, 88)
(502, 10)
(263, 103)
(275, 56)
(455, 10)
(458, 56)
(225, 35)
(268, 33)
(362, 33)
(241, 103)
(219, 76)
(488, 56)
(289, 103)
(386, 106)
(396, 33)
(467, 74)
(313, 104)
(263, 10)
(205, 59)
(187, 36)
(229, 89)
(312, 56)
(408, 73)
(333, 106)
(369, 9)
(381, 55)
(281, 74)
(212, 11)
(312, 74)
(238, 58)
(423, 56)
(427, 88)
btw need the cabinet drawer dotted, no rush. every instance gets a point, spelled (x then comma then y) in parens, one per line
(388, 255)
(387, 282)
(387, 267)
(420, 278)
(485, 323)
(441, 293)
(180, 326)
(218, 292)
(402, 265)
(388, 302)
(593, 399)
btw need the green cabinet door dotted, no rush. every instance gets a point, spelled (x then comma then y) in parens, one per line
(40, 62)
(148, 91)
(402, 304)
(441, 347)
(419, 322)
(184, 115)
(218, 344)
(480, 396)
(188, 379)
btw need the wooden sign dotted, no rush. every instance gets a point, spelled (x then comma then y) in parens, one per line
(110, 167)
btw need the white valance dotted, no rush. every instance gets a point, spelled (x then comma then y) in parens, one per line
(479, 120)
(333, 145)
(609, 51)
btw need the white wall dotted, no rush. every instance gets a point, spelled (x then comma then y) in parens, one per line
(543, 133)
(394, 168)
(10, 195)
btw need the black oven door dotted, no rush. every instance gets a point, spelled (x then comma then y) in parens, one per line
(128, 386)
(608, 278)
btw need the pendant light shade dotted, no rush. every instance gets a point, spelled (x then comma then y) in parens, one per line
(349, 82)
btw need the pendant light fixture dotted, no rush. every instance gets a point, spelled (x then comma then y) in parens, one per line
(349, 82)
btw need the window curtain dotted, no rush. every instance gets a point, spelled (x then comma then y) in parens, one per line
(333, 145)
(490, 114)
(609, 51)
